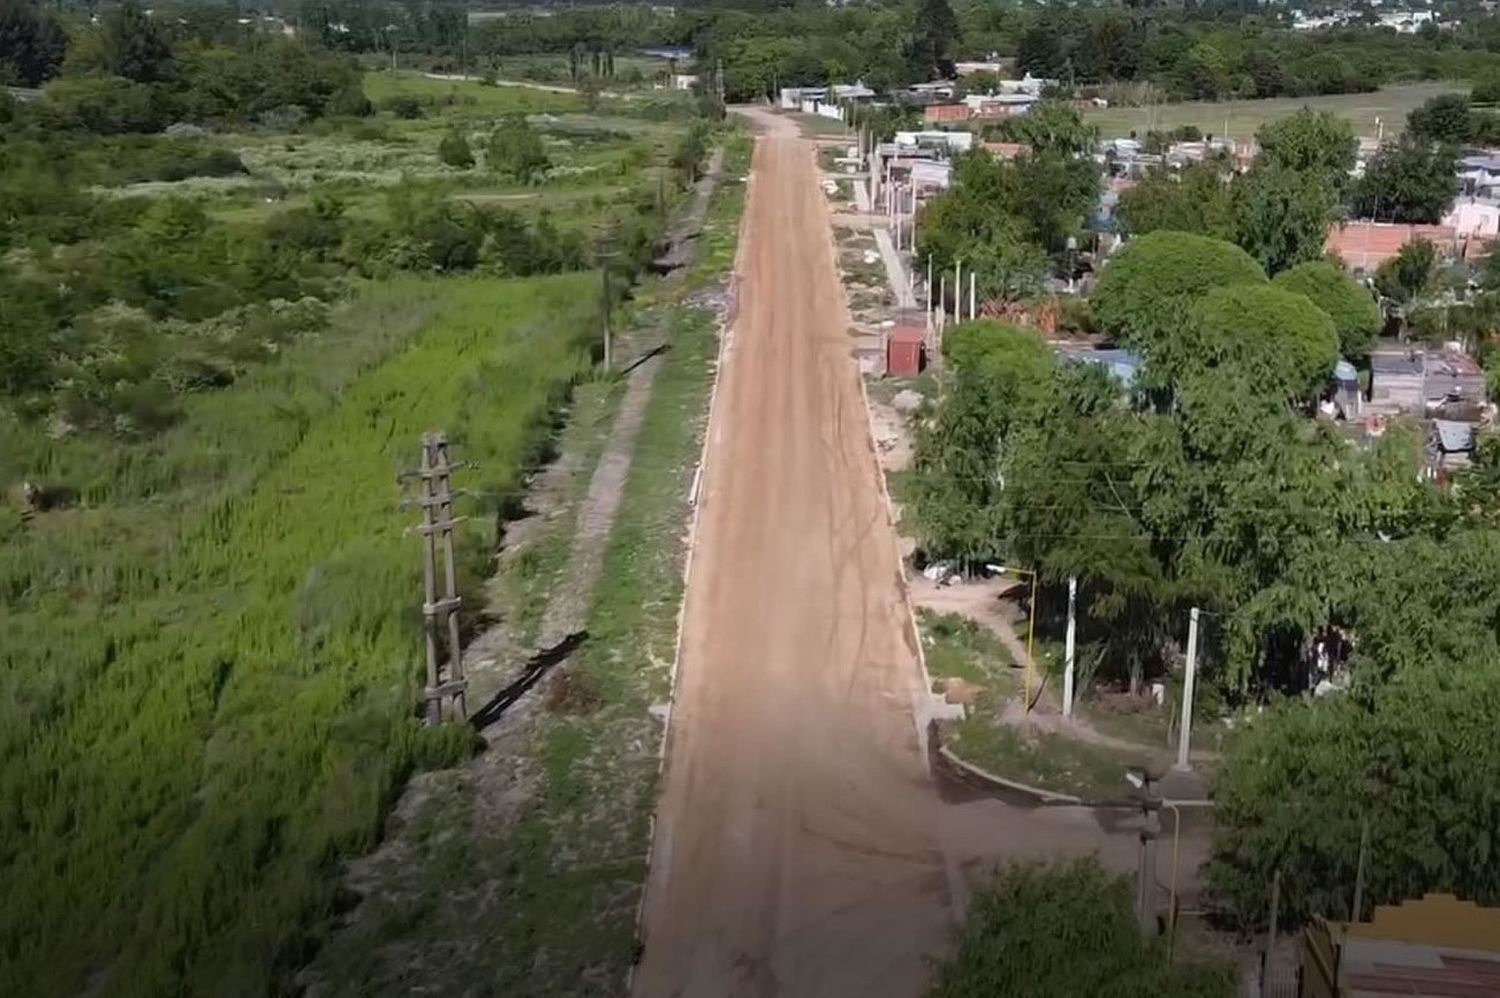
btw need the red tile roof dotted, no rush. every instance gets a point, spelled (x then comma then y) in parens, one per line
(1366, 245)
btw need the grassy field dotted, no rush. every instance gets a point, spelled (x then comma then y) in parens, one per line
(1240, 119)
(179, 778)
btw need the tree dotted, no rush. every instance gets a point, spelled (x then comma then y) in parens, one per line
(1281, 215)
(1356, 318)
(934, 30)
(1309, 141)
(516, 151)
(1194, 199)
(1039, 52)
(1202, 73)
(1052, 126)
(1277, 342)
(1148, 286)
(134, 46)
(1444, 119)
(1407, 181)
(454, 150)
(1414, 758)
(32, 43)
(1063, 931)
(1408, 275)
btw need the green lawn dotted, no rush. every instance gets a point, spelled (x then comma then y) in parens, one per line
(1240, 119)
(1044, 759)
(470, 96)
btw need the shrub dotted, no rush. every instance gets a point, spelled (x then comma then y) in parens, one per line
(516, 151)
(454, 150)
(1065, 931)
(403, 106)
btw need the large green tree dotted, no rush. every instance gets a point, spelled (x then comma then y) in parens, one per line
(135, 46)
(1407, 181)
(1147, 287)
(1278, 343)
(32, 43)
(1444, 119)
(1194, 199)
(1316, 142)
(1281, 215)
(1356, 318)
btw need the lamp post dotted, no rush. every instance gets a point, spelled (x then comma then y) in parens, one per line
(1030, 626)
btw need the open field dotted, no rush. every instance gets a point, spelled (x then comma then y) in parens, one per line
(1240, 119)
(239, 710)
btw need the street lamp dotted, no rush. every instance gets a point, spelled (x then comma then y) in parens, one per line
(1030, 626)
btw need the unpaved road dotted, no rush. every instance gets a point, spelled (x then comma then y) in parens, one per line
(801, 848)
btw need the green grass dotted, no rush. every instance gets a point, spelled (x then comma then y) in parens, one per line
(1043, 759)
(958, 648)
(1389, 104)
(816, 124)
(470, 97)
(179, 778)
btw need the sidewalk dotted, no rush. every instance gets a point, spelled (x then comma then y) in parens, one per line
(895, 270)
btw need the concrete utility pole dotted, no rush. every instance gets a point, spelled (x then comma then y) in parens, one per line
(1069, 649)
(958, 290)
(435, 497)
(605, 253)
(973, 299)
(928, 289)
(1185, 727)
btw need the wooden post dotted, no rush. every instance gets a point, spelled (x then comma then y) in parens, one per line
(435, 496)
(429, 591)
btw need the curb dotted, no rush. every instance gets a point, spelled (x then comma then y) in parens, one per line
(726, 336)
(1039, 797)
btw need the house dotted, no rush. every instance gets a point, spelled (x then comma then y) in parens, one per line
(684, 81)
(1438, 946)
(1424, 382)
(1364, 246)
(1479, 175)
(1474, 219)
(970, 68)
(934, 114)
(1000, 105)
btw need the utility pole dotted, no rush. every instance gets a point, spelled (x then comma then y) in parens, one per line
(1069, 649)
(1184, 732)
(958, 290)
(928, 290)
(605, 254)
(973, 299)
(439, 614)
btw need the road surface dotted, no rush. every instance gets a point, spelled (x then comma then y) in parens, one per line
(801, 848)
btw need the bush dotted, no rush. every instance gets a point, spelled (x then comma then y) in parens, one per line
(516, 151)
(403, 106)
(454, 150)
(1065, 931)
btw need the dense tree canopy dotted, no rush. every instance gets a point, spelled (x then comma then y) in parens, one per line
(1146, 288)
(1195, 199)
(1277, 343)
(1355, 316)
(1407, 181)
(32, 43)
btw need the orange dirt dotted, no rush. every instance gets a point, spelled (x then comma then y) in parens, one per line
(800, 847)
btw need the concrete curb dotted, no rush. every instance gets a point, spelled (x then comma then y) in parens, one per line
(726, 336)
(1039, 797)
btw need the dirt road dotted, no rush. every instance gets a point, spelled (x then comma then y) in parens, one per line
(800, 847)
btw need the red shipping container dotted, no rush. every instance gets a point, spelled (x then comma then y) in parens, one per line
(905, 351)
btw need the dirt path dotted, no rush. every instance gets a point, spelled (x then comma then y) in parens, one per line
(801, 848)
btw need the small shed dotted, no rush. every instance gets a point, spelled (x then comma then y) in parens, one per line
(905, 350)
